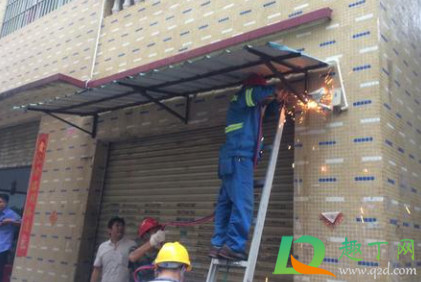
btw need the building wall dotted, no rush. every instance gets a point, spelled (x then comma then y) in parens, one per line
(61, 42)
(152, 30)
(401, 126)
(339, 159)
(61, 210)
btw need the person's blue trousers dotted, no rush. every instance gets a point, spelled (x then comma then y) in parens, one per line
(234, 210)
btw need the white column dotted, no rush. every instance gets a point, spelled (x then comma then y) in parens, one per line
(117, 6)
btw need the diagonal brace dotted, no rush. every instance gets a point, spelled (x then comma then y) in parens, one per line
(268, 62)
(92, 133)
(162, 105)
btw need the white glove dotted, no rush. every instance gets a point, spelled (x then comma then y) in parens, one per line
(157, 238)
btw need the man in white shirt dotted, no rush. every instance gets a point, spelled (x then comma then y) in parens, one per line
(112, 260)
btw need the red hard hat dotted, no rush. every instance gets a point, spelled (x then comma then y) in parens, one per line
(255, 80)
(146, 225)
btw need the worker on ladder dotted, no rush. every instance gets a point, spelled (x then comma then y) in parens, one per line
(238, 157)
(172, 263)
(152, 236)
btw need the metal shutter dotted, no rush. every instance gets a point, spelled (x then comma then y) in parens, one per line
(17, 145)
(173, 177)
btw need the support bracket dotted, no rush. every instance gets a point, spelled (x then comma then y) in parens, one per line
(93, 131)
(268, 61)
(143, 91)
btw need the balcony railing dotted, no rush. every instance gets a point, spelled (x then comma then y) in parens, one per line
(120, 5)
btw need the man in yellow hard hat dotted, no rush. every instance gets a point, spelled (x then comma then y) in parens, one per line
(172, 263)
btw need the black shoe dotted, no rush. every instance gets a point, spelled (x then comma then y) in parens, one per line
(214, 252)
(229, 254)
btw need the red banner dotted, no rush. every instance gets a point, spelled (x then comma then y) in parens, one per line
(31, 198)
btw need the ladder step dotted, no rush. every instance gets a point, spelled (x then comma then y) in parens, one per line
(230, 263)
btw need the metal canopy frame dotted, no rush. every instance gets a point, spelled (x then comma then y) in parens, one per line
(158, 92)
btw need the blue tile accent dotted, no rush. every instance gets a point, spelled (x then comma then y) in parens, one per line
(361, 68)
(387, 106)
(364, 178)
(366, 219)
(328, 179)
(187, 11)
(205, 3)
(414, 190)
(298, 145)
(388, 142)
(363, 140)
(358, 3)
(367, 263)
(184, 33)
(169, 18)
(386, 72)
(406, 224)
(327, 143)
(330, 260)
(204, 26)
(362, 34)
(223, 20)
(393, 221)
(398, 84)
(327, 43)
(362, 103)
(245, 12)
(269, 4)
(401, 150)
(391, 181)
(295, 14)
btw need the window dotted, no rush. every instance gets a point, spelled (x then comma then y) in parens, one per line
(22, 12)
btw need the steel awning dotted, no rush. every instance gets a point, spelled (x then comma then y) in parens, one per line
(218, 70)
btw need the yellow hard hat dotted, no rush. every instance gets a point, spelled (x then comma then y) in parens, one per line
(173, 253)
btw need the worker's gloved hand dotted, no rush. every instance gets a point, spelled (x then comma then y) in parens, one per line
(157, 239)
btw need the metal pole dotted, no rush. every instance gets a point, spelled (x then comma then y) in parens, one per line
(264, 201)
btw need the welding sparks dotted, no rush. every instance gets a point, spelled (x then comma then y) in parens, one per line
(319, 102)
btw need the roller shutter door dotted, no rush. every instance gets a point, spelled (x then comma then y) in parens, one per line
(173, 177)
(17, 145)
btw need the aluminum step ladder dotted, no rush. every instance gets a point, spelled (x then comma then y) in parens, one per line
(250, 264)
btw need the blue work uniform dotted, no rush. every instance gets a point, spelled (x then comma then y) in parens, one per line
(7, 232)
(237, 159)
